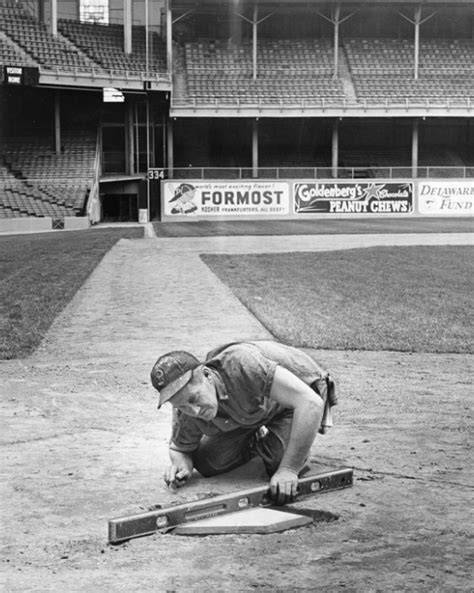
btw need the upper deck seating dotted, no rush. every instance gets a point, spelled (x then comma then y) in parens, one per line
(274, 56)
(447, 56)
(34, 38)
(105, 45)
(287, 70)
(384, 69)
(400, 89)
(10, 56)
(230, 88)
(396, 56)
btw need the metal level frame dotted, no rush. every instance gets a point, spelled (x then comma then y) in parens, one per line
(126, 528)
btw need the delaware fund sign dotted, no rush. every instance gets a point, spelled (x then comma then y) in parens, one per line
(225, 198)
(446, 198)
(353, 198)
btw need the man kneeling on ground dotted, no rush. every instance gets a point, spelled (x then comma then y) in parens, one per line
(248, 398)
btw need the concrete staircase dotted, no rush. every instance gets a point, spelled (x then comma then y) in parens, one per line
(345, 78)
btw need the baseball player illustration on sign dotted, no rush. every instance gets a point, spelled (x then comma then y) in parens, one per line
(183, 199)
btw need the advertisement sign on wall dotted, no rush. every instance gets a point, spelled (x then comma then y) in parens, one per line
(449, 198)
(355, 197)
(225, 198)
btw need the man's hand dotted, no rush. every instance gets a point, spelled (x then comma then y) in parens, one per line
(292, 393)
(284, 485)
(180, 469)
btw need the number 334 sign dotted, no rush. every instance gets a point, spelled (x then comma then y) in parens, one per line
(156, 174)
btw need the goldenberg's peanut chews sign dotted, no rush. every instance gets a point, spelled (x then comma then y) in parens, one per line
(328, 197)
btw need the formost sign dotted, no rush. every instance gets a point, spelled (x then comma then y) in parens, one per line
(242, 198)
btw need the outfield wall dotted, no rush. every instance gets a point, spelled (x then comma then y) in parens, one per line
(196, 200)
(33, 224)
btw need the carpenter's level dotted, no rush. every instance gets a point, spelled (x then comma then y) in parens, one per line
(125, 528)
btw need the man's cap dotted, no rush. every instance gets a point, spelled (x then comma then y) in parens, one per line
(171, 372)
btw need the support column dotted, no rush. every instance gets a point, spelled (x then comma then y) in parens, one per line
(169, 138)
(147, 41)
(54, 17)
(57, 121)
(335, 147)
(3, 114)
(417, 21)
(129, 140)
(414, 148)
(254, 38)
(41, 15)
(336, 21)
(148, 199)
(127, 26)
(255, 148)
(169, 35)
(164, 143)
(417, 40)
(337, 13)
(254, 22)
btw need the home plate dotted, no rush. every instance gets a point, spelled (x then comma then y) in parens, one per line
(255, 520)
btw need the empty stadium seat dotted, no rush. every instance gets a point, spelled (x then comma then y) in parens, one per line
(383, 69)
(10, 55)
(288, 70)
(104, 44)
(35, 40)
(35, 181)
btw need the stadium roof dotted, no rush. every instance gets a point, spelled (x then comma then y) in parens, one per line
(189, 4)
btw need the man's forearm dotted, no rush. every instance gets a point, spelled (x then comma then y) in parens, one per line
(180, 469)
(306, 421)
(178, 457)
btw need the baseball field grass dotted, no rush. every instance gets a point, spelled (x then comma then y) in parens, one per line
(39, 275)
(414, 299)
(409, 299)
(82, 441)
(332, 226)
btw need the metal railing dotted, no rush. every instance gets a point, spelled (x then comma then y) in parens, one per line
(112, 75)
(327, 103)
(285, 173)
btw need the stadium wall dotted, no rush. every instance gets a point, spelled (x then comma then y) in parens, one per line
(43, 224)
(197, 200)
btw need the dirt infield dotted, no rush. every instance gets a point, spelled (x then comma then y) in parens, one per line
(83, 442)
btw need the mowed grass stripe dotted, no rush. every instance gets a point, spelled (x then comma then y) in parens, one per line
(313, 226)
(39, 275)
(410, 299)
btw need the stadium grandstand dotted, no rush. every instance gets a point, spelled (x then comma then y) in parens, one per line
(114, 110)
